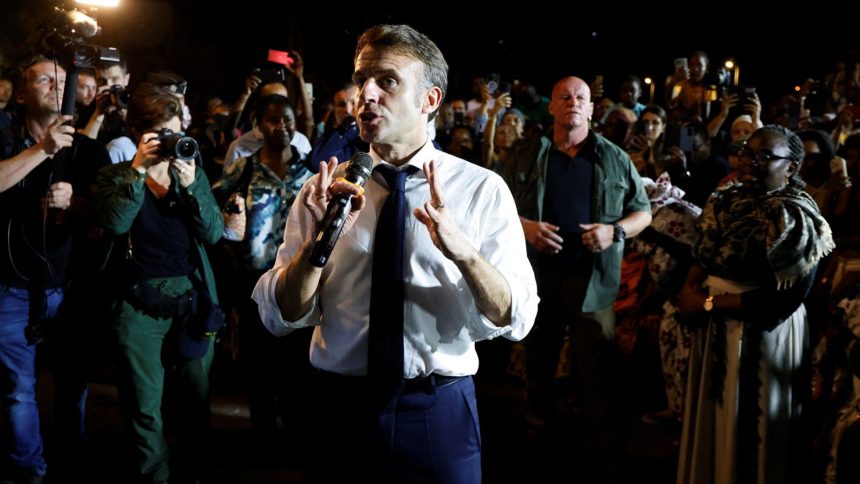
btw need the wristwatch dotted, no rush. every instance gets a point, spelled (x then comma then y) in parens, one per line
(708, 304)
(619, 235)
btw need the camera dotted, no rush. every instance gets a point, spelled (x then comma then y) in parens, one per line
(65, 40)
(119, 96)
(175, 145)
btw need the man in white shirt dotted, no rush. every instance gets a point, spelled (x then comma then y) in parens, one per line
(466, 278)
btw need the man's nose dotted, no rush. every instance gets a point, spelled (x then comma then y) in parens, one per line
(369, 91)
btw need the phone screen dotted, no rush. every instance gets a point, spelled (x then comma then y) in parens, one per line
(838, 166)
(493, 83)
(280, 57)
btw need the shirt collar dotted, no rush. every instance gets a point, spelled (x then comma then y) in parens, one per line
(425, 154)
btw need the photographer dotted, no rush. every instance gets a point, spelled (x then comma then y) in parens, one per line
(45, 214)
(107, 121)
(166, 208)
(123, 148)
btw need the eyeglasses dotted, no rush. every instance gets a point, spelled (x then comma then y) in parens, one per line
(759, 158)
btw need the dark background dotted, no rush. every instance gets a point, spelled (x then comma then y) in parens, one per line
(538, 42)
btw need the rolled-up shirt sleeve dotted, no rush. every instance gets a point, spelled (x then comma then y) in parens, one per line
(503, 245)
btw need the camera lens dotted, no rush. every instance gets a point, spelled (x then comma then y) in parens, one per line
(119, 96)
(174, 145)
(185, 149)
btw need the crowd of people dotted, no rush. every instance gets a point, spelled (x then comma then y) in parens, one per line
(730, 242)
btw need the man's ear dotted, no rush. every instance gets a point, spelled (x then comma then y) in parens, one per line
(432, 100)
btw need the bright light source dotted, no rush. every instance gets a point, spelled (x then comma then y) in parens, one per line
(797, 88)
(99, 3)
(648, 80)
(729, 64)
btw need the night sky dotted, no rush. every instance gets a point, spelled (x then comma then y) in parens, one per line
(217, 48)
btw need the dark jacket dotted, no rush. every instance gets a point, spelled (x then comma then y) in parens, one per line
(121, 191)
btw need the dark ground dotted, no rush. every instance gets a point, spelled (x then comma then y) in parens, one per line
(513, 450)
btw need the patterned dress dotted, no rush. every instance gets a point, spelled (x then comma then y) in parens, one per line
(667, 247)
(742, 398)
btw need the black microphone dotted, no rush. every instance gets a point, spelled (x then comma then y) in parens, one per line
(338, 209)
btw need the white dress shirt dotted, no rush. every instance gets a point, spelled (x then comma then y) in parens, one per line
(441, 319)
(250, 142)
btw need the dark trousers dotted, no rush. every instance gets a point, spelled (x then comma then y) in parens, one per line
(430, 434)
(277, 374)
(596, 362)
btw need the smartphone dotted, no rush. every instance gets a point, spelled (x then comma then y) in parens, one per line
(309, 88)
(744, 93)
(680, 63)
(280, 57)
(680, 136)
(504, 88)
(268, 75)
(838, 167)
(493, 83)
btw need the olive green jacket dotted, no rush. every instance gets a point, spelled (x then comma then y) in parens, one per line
(120, 195)
(616, 191)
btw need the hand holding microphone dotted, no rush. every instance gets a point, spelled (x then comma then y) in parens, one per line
(344, 198)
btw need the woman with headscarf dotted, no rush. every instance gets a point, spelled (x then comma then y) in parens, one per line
(761, 241)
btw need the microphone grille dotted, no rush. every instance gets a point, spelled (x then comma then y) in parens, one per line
(359, 167)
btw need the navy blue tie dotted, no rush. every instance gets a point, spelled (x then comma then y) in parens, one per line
(385, 338)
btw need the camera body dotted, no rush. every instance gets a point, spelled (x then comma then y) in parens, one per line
(65, 39)
(175, 145)
(119, 96)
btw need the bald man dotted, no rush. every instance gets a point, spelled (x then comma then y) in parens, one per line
(579, 197)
